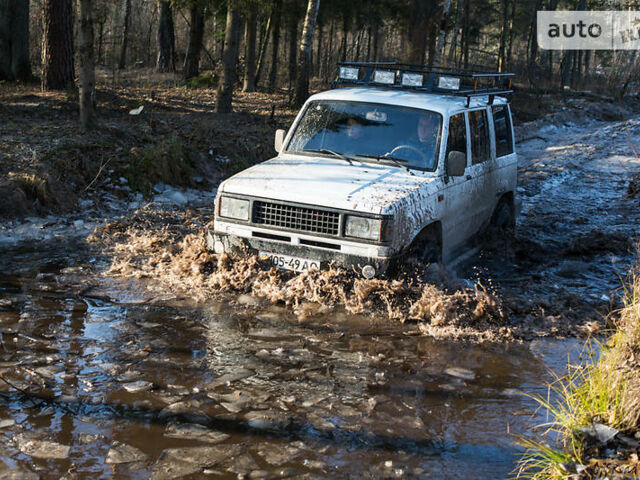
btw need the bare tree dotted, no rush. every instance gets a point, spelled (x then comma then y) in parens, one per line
(125, 35)
(224, 95)
(251, 24)
(86, 72)
(443, 32)
(301, 92)
(57, 44)
(196, 34)
(14, 40)
(277, 16)
(166, 38)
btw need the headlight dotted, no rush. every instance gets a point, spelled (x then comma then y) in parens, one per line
(362, 227)
(234, 208)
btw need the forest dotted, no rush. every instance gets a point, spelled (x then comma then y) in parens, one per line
(283, 44)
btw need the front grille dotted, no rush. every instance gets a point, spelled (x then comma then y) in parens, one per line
(296, 218)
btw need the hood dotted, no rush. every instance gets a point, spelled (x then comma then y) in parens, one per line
(334, 183)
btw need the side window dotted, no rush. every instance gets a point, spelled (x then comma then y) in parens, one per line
(502, 126)
(457, 140)
(480, 146)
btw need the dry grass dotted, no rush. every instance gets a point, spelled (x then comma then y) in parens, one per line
(606, 390)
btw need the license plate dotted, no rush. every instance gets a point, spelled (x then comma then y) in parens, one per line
(287, 262)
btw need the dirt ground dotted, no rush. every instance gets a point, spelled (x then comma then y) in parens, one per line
(114, 186)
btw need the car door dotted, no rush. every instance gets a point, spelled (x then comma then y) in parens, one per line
(480, 172)
(456, 215)
(506, 168)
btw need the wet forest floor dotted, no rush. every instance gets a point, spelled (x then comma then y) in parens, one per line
(126, 349)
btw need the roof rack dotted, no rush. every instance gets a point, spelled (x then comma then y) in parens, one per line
(434, 79)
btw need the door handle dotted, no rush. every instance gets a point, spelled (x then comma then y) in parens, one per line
(468, 177)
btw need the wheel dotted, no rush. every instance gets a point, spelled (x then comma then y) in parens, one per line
(424, 250)
(503, 221)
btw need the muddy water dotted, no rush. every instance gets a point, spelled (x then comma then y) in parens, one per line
(113, 385)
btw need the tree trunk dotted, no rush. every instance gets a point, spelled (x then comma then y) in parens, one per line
(510, 41)
(263, 47)
(443, 32)
(275, 45)
(100, 42)
(464, 55)
(196, 33)
(301, 92)
(456, 31)
(502, 48)
(293, 46)
(250, 50)
(86, 72)
(57, 44)
(14, 40)
(125, 35)
(166, 39)
(224, 95)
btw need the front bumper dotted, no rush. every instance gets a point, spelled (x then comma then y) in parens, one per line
(231, 238)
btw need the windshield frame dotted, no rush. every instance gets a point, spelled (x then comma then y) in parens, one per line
(311, 103)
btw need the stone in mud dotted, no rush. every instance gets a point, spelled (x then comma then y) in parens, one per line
(243, 464)
(123, 453)
(320, 423)
(229, 378)
(7, 473)
(277, 455)
(180, 462)
(266, 419)
(138, 386)
(193, 431)
(249, 301)
(10, 422)
(462, 373)
(128, 376)
(86, 438)
(43, 449)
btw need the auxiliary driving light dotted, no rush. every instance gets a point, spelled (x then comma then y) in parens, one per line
(368, 272)
(384, 77)
(412, 79)
(348, 73)
(449, 83)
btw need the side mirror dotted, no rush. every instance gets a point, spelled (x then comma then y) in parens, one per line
(456, 163)
(280, 134)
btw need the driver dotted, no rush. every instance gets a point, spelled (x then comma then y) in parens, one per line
(420, 148)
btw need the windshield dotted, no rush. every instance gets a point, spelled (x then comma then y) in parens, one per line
(369, 132)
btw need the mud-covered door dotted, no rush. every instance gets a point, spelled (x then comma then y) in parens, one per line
(456, 221)
(481, 173)
(506, 161)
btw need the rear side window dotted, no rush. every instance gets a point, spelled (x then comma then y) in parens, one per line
(480, 146)
(502, 126)
(457, 140)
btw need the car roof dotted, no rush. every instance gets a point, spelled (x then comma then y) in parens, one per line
(440, 103)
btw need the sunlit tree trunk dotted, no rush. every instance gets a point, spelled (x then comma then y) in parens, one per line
(57, 44)
(86, 71)
(224, 95)
(292, 29)
(443, 32)
(301, 91)
(263, 47)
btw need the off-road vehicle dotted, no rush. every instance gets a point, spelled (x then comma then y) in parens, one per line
(395, 162)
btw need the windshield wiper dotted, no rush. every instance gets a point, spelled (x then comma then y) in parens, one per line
(326, 151)
(398, 162)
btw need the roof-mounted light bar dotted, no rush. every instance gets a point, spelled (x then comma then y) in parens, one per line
(348, 73)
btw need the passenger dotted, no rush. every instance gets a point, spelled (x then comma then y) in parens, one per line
(354, 129)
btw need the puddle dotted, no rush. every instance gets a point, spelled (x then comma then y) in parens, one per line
(146, 391)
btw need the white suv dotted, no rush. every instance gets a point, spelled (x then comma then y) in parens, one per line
(376, 172)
